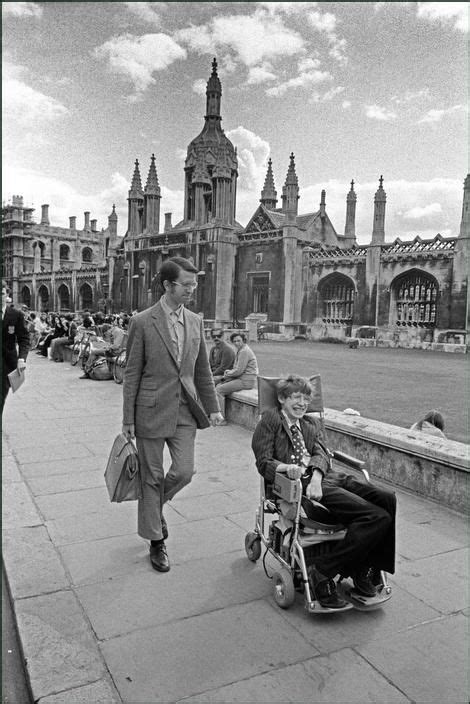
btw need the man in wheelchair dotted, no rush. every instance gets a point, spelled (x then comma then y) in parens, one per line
(287, 440)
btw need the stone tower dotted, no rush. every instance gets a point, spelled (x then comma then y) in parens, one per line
(136, 203)
(152, 197)
(350, 225)
(378, 231)
(290, 192)
(269, 193)
(211, 167)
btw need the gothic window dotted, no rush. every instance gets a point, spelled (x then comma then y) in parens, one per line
(416, 300)
(64, 252)
(87, 255)
(260, 293)
(26, 296)
(86, 296)
(43, 299)
(259, 257)
(64, 297)
(337, 295)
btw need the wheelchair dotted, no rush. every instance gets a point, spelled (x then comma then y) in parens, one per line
(292, 539)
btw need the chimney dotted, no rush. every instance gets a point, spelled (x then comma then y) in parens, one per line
(168, 225)
(73, 222)
(45, 215)
(86, 226)
(323, 204)
(93, 225)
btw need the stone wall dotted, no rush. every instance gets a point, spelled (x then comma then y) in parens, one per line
(435, 468)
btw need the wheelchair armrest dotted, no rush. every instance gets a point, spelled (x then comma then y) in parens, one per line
(348, 459)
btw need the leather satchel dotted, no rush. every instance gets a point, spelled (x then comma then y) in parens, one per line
(122, 475)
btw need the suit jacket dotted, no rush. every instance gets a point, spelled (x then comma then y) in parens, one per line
(153, 382)
(221, 357)
(14, 332)
(272, 443)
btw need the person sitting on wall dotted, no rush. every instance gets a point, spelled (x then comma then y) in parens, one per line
(431, 424)
(221, 356)
(243, 373)
(286, 440)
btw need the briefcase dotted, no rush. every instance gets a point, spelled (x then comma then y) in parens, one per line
(122, 475)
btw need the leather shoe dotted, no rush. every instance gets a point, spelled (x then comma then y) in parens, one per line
(363, 584)
(324, 589)
(164, 528)
(159, 558)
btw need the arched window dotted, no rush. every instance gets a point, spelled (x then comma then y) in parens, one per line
(337, 299)
(87, 255)
(86, 296)
(43, 299)
(64, 252)
(416, 296)
(26, 296)
(64, 297)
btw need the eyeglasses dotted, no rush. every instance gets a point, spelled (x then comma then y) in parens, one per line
(216, 337)
(188, 287)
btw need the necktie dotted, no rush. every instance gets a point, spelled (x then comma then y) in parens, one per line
(298, 444)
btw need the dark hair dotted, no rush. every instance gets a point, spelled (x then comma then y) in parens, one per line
(237, 334)
(217, 331)
(293, 384)
(170, 269)
(433, 417)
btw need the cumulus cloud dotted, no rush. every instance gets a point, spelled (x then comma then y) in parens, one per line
(325, 23)
(419, 212)
(146, 11)
(447, 13)
(200, 86)
(410, 95)
(435, 115)
(253, 152)
(375, 112)
(326, 97)
(27, 106)
(303, 80)
(260, 74)
(138, 58)
(21, 9)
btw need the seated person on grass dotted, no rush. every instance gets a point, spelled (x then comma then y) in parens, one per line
(287, 440)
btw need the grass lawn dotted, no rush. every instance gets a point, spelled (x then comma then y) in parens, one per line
(395, 386)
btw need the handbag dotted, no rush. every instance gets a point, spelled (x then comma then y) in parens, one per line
(122, 475)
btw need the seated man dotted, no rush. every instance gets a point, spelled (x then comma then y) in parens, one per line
(221, 356)
(109, 345)
(288, 441)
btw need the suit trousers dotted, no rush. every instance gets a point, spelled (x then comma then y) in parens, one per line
(156, 487)
(5, 385)
(368, 513)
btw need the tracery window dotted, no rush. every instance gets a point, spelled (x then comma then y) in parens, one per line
(338, 299)
(416, 300)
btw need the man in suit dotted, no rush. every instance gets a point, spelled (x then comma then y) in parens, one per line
(221, 356)
(286, 440)
(168, 393)
(15, 341)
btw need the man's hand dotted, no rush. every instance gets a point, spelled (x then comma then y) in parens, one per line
(21, 366)
(128, 429)
(314, 489)
(216, 418)
(294, 471)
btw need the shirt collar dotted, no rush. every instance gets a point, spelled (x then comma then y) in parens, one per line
(290, 422)
(170, 312)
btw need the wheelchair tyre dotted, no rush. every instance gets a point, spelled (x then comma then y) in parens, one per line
(253, 546)
(75, 354)
(119, 364)
(284, 589)
(86, 354)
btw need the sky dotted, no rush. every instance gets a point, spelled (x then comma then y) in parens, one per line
(354, 90)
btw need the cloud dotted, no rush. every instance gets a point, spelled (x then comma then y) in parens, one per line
(200, 86)
(252, 38)
(419, 212)
(303, 80)
(26, 106)
(253, 152)
(435, 115)
(260, 74)
(146, 11)
(410, 96)
(447, 13)
(21, 9)
(326, 97)
(325, 23)
(346, 104)
(375, 112)
(138, 58)
(288, 8)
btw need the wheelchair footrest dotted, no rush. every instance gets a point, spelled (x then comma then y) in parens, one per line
(364, 603)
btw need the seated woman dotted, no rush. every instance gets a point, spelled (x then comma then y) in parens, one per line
(243, 373)
(286, 440)
(432, 424)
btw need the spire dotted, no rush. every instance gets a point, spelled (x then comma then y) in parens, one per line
(323, 204)
(350, 225)
(378, 231)
(113, 217)
(213, 94)
(152, 186)
(465, 221)
(136, 185)
(290, 190)
(269, 193)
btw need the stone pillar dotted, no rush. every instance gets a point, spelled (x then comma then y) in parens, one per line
(45, 214)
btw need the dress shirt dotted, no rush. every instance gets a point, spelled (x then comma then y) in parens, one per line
(175, 320)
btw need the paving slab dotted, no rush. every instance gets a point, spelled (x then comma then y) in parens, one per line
(72, 466)
(169, 662)
(61, 483)
(58, 645)
(101, 692)
(73, 503)
(416, 662)
(424, 539)
(57, 451)
(150, 598)
(342, 677)
(112, 520)
(10, 472)
(32, 562)
(18, 508)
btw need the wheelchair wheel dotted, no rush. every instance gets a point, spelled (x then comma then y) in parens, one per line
(75, 354)
(284, 589)
(86, 354)
(253, 546)
(119, 365)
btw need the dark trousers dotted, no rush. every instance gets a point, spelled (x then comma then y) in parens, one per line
(5, 386)
(368, 513)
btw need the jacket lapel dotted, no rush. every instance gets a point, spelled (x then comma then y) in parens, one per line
(161, 325)
(189, 333)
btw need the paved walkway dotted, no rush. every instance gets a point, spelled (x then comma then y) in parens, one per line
(99, 625)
